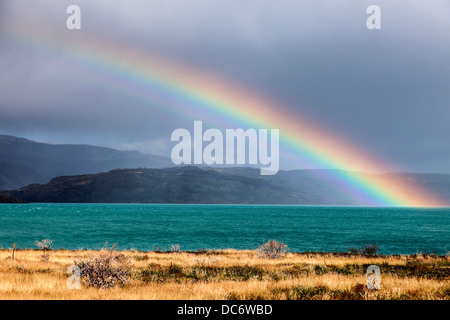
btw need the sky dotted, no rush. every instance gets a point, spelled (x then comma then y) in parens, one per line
(386, 91)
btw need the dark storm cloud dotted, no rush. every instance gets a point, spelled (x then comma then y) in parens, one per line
(385, 89)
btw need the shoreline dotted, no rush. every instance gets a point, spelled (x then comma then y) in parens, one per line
(224, 250)
(210, 251)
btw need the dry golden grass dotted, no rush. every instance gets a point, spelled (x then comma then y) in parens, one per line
(229, 274)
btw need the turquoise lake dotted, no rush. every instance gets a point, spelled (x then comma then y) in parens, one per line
(158, 226)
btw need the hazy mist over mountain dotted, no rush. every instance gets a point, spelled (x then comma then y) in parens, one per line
(23, 161)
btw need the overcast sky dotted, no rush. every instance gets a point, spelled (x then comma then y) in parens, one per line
(386, 90)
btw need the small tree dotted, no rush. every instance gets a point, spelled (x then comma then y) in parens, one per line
(273, 249)
(45, 245)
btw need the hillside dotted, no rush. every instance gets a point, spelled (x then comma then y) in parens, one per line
(10, 199)
(23, 161)
(206, 185)
(172, 185)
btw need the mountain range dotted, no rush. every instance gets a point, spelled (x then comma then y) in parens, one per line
(38, 172)
(24, 162)
(205, 185)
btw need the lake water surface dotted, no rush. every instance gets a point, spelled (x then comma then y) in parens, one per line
(153, 226)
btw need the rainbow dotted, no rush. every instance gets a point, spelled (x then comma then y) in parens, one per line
(185, 91)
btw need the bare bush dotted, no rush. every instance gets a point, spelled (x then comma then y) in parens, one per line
(45, 245)
(368, 251)
(273, 249)
(175, 248)
(106, 269)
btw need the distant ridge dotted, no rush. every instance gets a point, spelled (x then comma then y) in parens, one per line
(10, 199)
(207, 185)
(23, 161)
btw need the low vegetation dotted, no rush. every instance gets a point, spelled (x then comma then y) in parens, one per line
(221, 274)
(369, 251)
(45, 245)
(105, 269)
(273, 249)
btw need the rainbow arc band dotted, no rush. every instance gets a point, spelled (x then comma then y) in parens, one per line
(184, 91)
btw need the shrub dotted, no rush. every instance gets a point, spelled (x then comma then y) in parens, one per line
(370, 250)
(140, 258)
(273, 249)
(308, 292)
(354, 251)
(106, 269)
(175, 248)
(45, 245)
(174, 269)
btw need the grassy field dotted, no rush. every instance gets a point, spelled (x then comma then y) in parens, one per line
(227, 274)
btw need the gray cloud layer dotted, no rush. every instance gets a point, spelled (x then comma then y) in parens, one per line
(387, 90)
